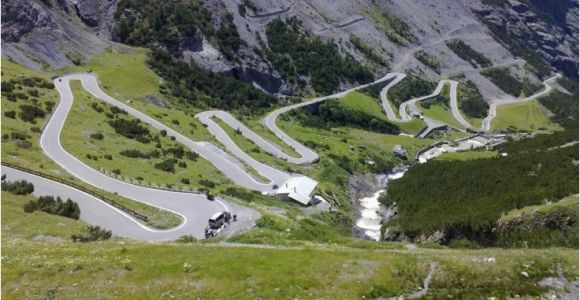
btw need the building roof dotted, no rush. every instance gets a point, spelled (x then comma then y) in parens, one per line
(298, 188)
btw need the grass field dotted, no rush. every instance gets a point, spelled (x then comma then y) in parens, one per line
(440, 113)
(76, 139)
(359, 101)
(527, 116)
(37, 254)
(568, 202)
(468, 155)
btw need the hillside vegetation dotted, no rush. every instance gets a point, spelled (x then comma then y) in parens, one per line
(205, 89)
(411, 87)
(471, 101)
(297, 53)
(563, 106)
(470, 55)
(546, 225)
(479, 198)
(38, 253)
(333, 113)
(502, 78)
(117, 143)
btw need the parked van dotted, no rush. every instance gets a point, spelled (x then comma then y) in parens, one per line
(218, 220)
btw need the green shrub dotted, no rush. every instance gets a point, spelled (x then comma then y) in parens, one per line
(186, 239)
(191, 155)
(228, 39)
(332, 114)
(23, 144)
(367, 51)
(96, 107)
(412, 86)
(20, 187)
(207, 183)
(29, 113)
(129, 129)
(49, 204)
(7, 87)
(33, 93)
(471, 101)
(10, 114)
(97, 136)
(167, 165)
(92, 233)
(49, 105)
(134, 153)
(502, 78)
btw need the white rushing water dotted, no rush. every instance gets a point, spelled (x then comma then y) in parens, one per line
(370, 218)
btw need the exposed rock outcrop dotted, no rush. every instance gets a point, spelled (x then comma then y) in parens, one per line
(41, 34)
(550, 29)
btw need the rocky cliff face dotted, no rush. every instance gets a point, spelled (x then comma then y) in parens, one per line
(53, 34)
(548, 28)
(47, 33)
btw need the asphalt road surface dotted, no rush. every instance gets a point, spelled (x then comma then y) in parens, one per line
(193, 209)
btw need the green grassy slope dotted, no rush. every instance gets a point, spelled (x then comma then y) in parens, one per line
(76, 139)
(546, 225)
(371, 106)
(440, 113)
(527, 116)
(38, 254)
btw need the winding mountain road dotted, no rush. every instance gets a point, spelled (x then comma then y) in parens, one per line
(410, 105)
(195, 209)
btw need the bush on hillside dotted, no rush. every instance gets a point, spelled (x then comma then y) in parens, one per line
(130, 129)
(29, 113)
(49, 204)
(332, 114)
(167, 165)
(20, 187)
(502, 78)
(428, 60)
(92, 233)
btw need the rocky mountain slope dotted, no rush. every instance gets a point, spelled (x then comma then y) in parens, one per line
(383, 35)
